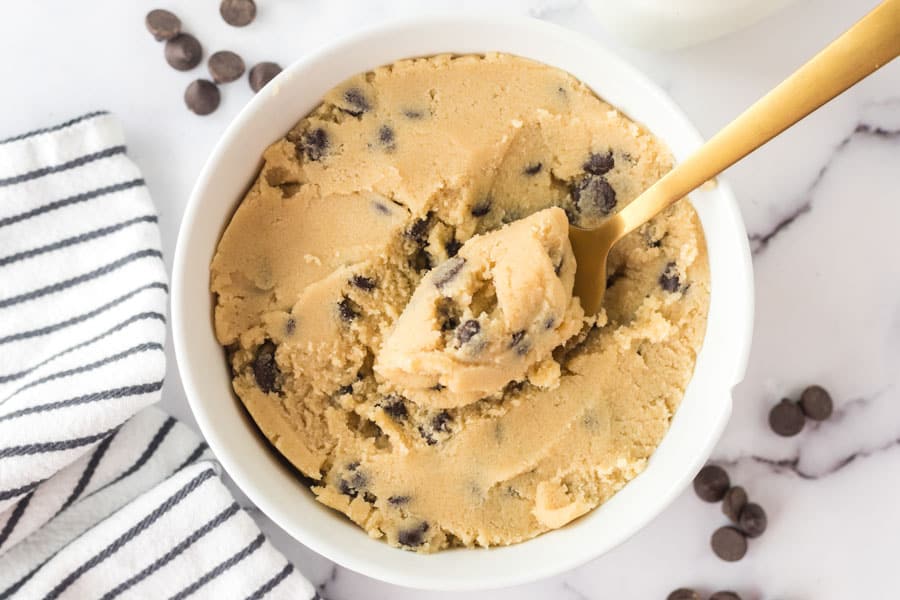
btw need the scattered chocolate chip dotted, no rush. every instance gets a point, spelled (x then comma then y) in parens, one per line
(683, 594)
(440, 421)
(202, 97)
(594, 196)
(398, 500)
(183, 52)
(414, 536)
(816, 403)
(725, 595)
(357, 101)
(413, 114)
(599, 164)
(238, 13)
(162, 24)
(549, 323)
(786, 418)
(733, 503)
(420, 260)
(354, 482)
(395, 407)
(452, 247)
(429, 439)
(729, 544)
(345, 389)
(518, 342)
(418, 231)
(386, 137)
(265, 369)
(467, 331)
(290, 326)
(347, 309)
(753, 520)
(448, 271)
(363, 283)
(514, 386)
(448, 314)
(482, 208)
(438, 387)
(261, 74)
(382, 208)
(711, 483)
(225, 66)
(668, 279)
(533, 169)
(369, 497)
(313, 144)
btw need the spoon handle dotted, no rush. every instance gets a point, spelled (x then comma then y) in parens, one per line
(867, 46)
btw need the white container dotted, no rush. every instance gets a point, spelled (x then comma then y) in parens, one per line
(232, 435)
(668, 24)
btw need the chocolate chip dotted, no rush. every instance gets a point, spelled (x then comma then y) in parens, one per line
(354, 482)
(369, 497)
(729, 544)
(753, 520)
(415, 115)
(398, 500)
(683, 594)
(448, 271)
(816, 403)
(733, 503)
(452, 247)
(347, 309)
(363, 283)
(183, 52)
(482, 208)
(265, 369)
(438, 387)
(549, 323)
(533, 169)
(238, 13)
(357, 101)
(225, 66)
(290, 326)
(711, 483)
(429, 439)
(786, 418)
(414, 536)
(345, 389)
(386, 137)
(395, 407)
(418, 231)
(162, 24)
(594, 196)
(725, 595)
(668, 279)
(518, 342)
(448, 314)
(420, 260)
(440, 421)
(467, 331)
(261, 74)
(599, 164)
(202, 97)
(314, 144)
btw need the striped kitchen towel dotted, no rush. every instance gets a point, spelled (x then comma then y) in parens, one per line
(101, 494)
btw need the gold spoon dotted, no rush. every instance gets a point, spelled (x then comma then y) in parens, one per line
(867, 46)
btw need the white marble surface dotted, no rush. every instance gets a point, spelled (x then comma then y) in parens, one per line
(828, 284)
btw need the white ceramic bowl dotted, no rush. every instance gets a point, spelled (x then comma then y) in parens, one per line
(237, 444)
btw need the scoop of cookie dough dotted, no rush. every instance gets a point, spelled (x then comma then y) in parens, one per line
(489, 316)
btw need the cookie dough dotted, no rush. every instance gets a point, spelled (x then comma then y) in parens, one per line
(415, 202)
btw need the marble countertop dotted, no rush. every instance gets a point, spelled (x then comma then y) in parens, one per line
(828, 290)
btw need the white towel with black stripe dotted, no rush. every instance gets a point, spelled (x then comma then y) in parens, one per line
(102, 495)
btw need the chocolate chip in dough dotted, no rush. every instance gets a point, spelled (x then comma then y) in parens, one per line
(395, 407)
(725, 595)
(482, 208)
(225, 66)
(683, 594)
(448, 271)
(183, 52)
(313, 144)
(238, 13)
(734, 502)
(363, 283)
(599, 164)
(418, 231)
(452, 247)
(816, 403)
(261, 74)
(202, 97)
(729, 543)
(533, 169)
(753, 520)
(467, 331)
(162, 24)
(594, 196)
(711, 483)
(414, 536)
(347, 309)
(398, 500)
(668, 279)
(786, 418)
(440, 421)
(265, 369)
(386, 137)
(357, 101)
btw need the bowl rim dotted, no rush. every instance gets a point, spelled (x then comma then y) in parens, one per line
(415, 574)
